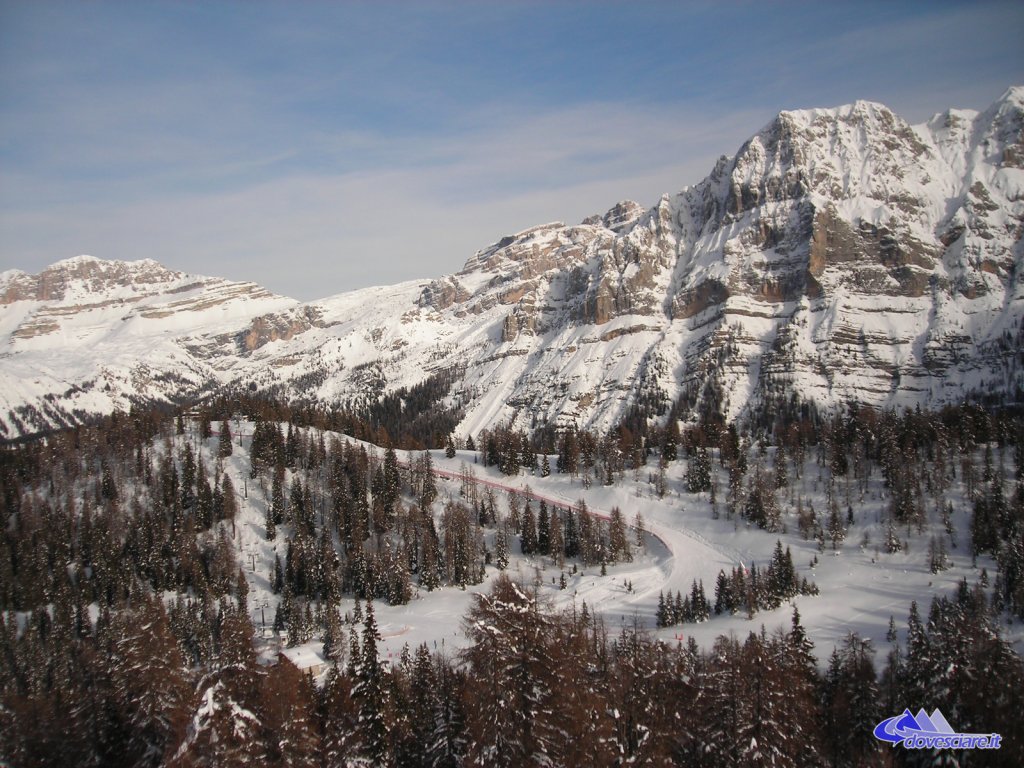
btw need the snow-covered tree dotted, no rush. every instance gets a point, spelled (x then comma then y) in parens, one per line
(514, 718)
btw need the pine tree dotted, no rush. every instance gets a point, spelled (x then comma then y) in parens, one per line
(919, 666)
(836, 531)
(572, 538)
(291, 448)
(893, 674)
(699, 603)
(229, 501)
(725, 714)
(224, 446)
(423, 706)
(569, 453)
(937, 558)
(556, 544)
(543, 529)
(781, 476)
(188, 480)
(765, 737)
(698, 473)
(501, 548)
(528, 534)
(288, 715)
(340, 718)
(723, 594)
(618, 542)
(662, 616)
(448, 747)
(277, 496)
(644, 690)
(333, 636)
(512, 674)
(670, 441)
(392, 481)
(852, 699)
(300, 514)
(369, 693)
(149, 682)
(227, 727)
(892, 541)
(427, 487)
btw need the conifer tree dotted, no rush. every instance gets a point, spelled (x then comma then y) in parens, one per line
(662, 615)
(556, 543)
(337, 708)
(288, 715)
(698, 472)
(836, 531)
(224, 446)
(501, 548)
(277, 497)
(852, 702)
(204, 499)
(369, 693)
(392, 480)
(528, 534)
(149, 683)
(423, 706)
(228, 500)
(618, 542)
(228, 729)
(725, 713)
(511, 678)
(333, 637)
(543, 528)
(205, 430)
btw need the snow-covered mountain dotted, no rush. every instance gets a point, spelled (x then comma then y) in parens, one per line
(87, 336)
(841, 255)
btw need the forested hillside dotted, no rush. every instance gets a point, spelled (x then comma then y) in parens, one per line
(153, 569)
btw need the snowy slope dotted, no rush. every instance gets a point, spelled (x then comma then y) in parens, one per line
(860, 584)
(841, 255)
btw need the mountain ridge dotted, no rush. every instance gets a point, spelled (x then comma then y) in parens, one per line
(842, 255)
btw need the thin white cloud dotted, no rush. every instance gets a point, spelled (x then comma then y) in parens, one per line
(320, 233)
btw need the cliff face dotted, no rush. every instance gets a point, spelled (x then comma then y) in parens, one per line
(842, 255)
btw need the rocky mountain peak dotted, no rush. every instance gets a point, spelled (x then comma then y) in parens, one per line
(1006, 133)
(80, 276)
(620, 218)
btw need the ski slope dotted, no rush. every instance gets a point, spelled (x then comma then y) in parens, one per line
(860, 585)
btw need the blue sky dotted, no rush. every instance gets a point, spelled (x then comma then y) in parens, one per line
(317, 147)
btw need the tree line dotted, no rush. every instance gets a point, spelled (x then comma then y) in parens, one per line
(534, 686)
